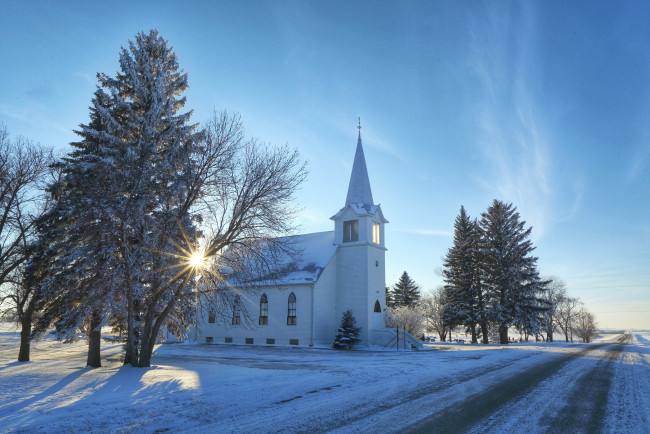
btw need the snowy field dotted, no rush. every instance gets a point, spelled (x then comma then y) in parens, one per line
(218, 388)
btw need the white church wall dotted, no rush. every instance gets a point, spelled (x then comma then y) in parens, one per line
(352, 279)
(325, 321)
(277, 329)
(338, 231)
(376, 286)
(366, 224)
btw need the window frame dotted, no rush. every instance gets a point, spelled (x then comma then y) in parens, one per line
(291, 309)
(350, 231)
(264, 310)
(236, 317)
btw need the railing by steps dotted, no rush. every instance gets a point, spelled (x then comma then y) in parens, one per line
(395, 338)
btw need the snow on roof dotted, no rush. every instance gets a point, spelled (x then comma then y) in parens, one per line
(314, 252)
(361, 210)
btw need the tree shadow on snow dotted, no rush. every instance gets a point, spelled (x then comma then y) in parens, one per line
(13, 364)
(68, 379)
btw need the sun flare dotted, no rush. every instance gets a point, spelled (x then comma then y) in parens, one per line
(197, 260)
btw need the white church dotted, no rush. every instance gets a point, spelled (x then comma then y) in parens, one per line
(338, 270)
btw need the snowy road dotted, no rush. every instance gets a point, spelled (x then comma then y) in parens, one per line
(567, 394)
(213, 388)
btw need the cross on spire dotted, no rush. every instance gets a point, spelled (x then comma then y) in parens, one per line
(359, 127)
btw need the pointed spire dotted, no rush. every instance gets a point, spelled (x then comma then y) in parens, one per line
(359, 188)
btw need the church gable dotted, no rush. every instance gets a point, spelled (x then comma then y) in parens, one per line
(359, 210)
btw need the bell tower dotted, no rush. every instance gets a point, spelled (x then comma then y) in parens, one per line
(360, 257)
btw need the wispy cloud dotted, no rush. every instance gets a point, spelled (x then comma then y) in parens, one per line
(370, 135)
(640, 161)
(578, 193)
(88, 78)
(30, 114)
(512, 136)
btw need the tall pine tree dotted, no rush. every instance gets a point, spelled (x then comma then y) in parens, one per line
(462, 268)
(511, 277)
(124, 198)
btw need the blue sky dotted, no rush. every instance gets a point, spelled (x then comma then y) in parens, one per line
(543, 104)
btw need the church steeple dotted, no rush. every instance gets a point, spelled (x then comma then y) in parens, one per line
(359, 188)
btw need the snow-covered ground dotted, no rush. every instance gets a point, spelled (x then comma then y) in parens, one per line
(218, 388)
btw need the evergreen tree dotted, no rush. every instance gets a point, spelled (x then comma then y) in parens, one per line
(133, 192)
(511, 277)
(463, 290)
(405, 292)
(123, 201)
(389, 298)
(348, 333)
(479, 284)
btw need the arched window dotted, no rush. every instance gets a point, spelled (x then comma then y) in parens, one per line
(291, 313)
(236, 320)
(377, 306)
(264, 310)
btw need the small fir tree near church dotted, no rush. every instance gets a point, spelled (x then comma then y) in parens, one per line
(405, 292)
(348, 333)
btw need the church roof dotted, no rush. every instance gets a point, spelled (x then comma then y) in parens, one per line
(359, 188)
(313, 253)
(361, 210)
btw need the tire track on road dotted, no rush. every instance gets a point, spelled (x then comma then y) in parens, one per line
(364, 410)
(479, 406)
(587, 405)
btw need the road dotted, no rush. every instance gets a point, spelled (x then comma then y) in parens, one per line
(599, 388)
(567, 394)
(516, 402)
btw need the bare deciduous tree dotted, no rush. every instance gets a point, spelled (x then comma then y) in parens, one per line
(585, 325)
(434, 309)
(24, 169)
(565, 314)
(555, 293)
